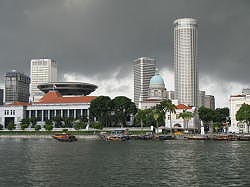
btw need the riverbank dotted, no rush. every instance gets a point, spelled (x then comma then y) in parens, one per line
(93, 137)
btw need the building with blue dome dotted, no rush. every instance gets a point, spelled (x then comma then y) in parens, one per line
(156, 93)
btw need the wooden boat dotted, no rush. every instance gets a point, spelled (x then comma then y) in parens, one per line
(116, 135)
(64, 137)
(166, 137)
(244, 137)
(226, 137)
(197, 137)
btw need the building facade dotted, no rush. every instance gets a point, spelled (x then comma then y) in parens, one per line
(209, 102)
(16, 87)
(235, 103)
(185, 61)
(178, 124)
(157, 92)
(42, 71)
(144, 70)
(52, 105)
(1, 96)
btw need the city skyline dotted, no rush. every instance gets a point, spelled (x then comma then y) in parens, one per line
(88, 37)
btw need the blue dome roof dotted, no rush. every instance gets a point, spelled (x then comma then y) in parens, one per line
(157, 79)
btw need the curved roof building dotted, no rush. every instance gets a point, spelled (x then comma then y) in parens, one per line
(68, 88)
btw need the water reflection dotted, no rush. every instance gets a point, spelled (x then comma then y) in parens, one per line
(45, 162)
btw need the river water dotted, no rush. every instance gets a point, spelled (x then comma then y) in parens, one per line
(46, 162)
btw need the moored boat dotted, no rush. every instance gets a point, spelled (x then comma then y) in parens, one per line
(197, 137)
(244, 137)
(64, 137)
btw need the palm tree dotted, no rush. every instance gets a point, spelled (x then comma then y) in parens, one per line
(168, 106)
(186, 116)
(140, 115)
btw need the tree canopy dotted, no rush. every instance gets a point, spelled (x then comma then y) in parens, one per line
(243, 114)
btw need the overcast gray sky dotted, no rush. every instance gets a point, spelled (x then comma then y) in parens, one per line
(97, 40)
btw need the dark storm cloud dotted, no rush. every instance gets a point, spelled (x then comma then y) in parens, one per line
(97, 36)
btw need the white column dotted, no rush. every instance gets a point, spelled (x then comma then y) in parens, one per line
(48, 114)
(35, 113)
(61, 113)
(68, 113)
(81, 113)
(42, 115)
(74, 113)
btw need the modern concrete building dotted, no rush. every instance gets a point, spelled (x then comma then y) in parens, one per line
(171, 95)
(209, 102)
(16, 87)
(144, 70)
(235, 103)
(42, 71)
(185, 61)
(201, 98)
(157, 92)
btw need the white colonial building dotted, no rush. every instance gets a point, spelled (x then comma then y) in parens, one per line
(51, 105)
(178, 123)
(156, 92)
(235, 103)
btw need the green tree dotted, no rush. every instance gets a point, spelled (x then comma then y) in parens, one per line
(122, 107)
(100, 109)
(168, 106)
(207, 115)
(243, 115)
(156, 115)
(25, 123)
(11, 126)
(186, 116)
(37, 127)
(221, 115)
(48, 125)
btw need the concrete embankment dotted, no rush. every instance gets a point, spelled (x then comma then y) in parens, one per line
(89, 137)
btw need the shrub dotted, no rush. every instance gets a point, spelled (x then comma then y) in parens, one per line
(1, 127)
(37, 127)
(97, 125)
(24, 126)
(48, 125)
(11, 126)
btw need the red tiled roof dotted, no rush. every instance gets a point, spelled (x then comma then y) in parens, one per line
(182, 106)
(19, 104)
(56, 97)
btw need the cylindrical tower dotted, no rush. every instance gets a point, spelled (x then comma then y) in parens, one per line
(185, 61)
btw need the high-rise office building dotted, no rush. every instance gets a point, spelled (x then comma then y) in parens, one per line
(42, 71)
(16, 87)
(201, 98)
(144, 70)
(185, 61)
(209, 102)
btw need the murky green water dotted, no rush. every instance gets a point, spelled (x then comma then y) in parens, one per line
(45, 162)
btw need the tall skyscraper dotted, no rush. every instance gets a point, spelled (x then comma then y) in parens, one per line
(16, 87)
(209, 102)
(144, 70)
(42, 71)
(185, 61)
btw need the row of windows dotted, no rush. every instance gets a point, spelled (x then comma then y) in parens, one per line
(9, 112)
